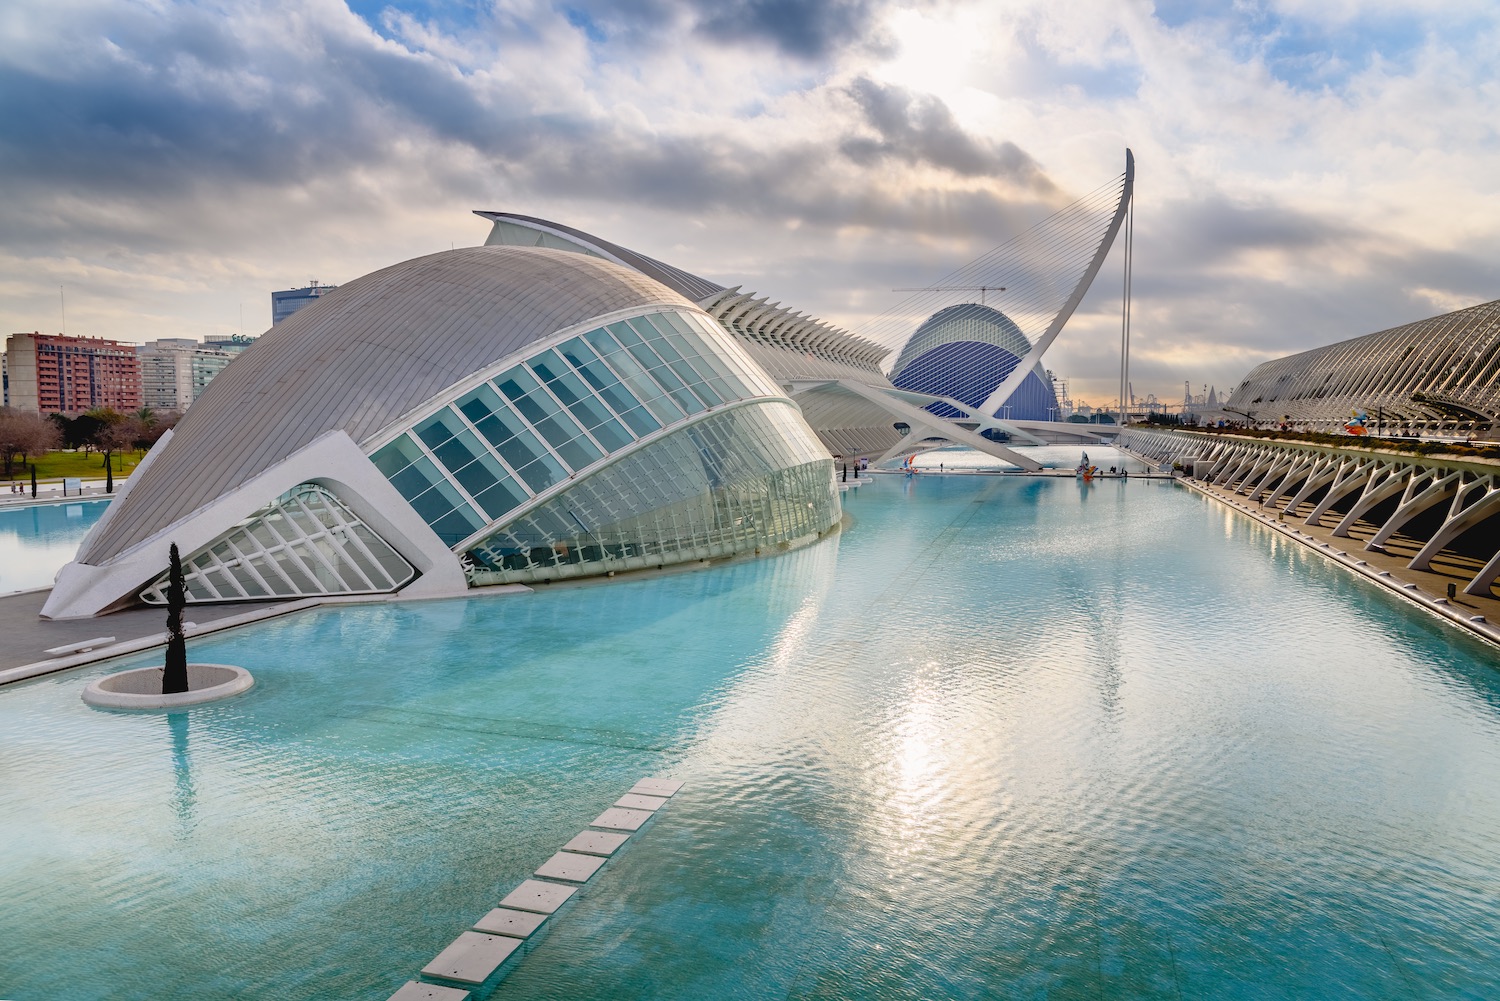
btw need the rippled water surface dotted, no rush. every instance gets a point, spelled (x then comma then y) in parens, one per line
(35, 541)
(1003, 737)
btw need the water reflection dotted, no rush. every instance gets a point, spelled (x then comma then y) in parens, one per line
(36, 540)
(184, 795)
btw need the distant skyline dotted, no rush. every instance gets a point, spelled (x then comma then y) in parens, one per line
(1307, 172)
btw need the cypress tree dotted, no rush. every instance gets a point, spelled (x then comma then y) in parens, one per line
(174, 679)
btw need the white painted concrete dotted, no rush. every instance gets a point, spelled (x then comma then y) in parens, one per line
(621, 820)
(570, 866)
(141, 688)
(635, 801)
(596, 843)
(82, 646)
(472, 957)
(414, 991)
(656, 787)
(504, 921)
(535, 895)
(334, 461)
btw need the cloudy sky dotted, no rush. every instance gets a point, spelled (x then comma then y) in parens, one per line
(1308, 170)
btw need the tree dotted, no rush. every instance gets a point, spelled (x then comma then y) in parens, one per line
(159, 425)
(24, 434)
(116, 433)
(77, 432)
(174, 677)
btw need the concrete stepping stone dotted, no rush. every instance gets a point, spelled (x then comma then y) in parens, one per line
(571, 867)
(503, 921)
(621, 820)
(636, 801)
(596, 843)
(472, 957)
(413, 991)
(534, 895)
(656, 787)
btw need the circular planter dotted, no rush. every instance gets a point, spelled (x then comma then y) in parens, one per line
(141, 688)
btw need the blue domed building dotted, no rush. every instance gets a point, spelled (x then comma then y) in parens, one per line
(963, 352)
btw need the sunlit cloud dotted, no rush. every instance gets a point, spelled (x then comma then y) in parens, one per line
(1307, 172)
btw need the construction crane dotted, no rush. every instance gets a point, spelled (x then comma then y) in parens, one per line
(981, 289)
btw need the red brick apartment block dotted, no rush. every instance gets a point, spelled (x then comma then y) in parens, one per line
(55, 373)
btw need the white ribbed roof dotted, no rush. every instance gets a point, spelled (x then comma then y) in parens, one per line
(359, 358)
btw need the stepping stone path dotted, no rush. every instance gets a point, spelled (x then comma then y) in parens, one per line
(475, 955)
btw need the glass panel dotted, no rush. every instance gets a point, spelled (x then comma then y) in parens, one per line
(247, 581)
(438, 428)
(560, 430)
(416, 478)
(737, 480)
(459, 451)
(654, 364)
(302, 520)
(508, 433)
(435, 503)
(301, 583)
(197, 588)
(457, 525)
(479, 404)
(569, 388)
(599, 376)
(702, 357)
(372, 571)
(678, 360)
(268, 569)
(542, 473)
(480, 475)
(501, 498)
(263, 535)
(220, 582)
(634, 376)
(396, 456)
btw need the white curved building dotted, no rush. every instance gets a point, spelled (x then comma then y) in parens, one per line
(1433, 373)
(486, 415)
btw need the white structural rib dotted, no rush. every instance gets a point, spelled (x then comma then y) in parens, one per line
(936, 425)
(1006, 389)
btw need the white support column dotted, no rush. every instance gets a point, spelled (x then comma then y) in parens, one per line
(1378, 488)
(1414, 502)
(1353, 474)
(1460, 521)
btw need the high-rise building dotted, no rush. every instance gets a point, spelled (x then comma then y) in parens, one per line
(284, 304)
(176, 370)
(234, 343)
(56, 373)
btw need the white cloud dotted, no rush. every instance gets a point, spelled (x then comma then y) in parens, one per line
(174, 161)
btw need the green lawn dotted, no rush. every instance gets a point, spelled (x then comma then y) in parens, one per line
(56, 465)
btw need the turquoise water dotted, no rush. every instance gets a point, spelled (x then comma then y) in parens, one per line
(36, 540)
(1004, 737)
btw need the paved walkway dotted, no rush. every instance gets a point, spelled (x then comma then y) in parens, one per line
(24, 635)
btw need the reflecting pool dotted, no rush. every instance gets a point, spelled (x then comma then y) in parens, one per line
(36, 540)
(1003, 737)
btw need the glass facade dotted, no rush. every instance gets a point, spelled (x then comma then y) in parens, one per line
(736, 481)
(540, 422)
(306, 543)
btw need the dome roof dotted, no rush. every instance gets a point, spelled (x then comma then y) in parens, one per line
(967, 321)
(358, 359)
